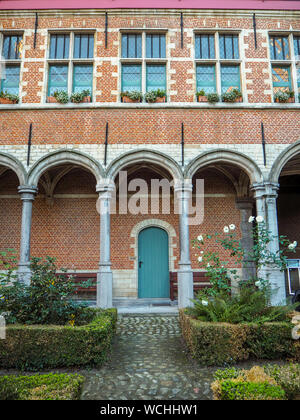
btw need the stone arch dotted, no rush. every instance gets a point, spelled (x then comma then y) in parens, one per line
(62, 157)
(154, 223)
(284, 157)
(15, 165)
(225, 156)
(144, 155)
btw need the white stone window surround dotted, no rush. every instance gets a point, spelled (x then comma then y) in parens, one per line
(143, 61)
(17, 62)
(291, 63)
(153, 223)
(217, 61)
(71, 60)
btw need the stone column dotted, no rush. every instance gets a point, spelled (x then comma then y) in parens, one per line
(246, 206)
(266, 195)
(27, 196)
(104, 276)
(183, 192)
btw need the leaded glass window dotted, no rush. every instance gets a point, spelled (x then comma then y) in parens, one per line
(297, 47)
(204, 46)
(11, 80)
(155, 46)
(83, 46)
(131, 45)
(156, 77)
(58, 78)
(281, 77)
(12, 46)
(230, 78)
(59, 46)
(131, 77)
(229, 47)
(206, 78)
(83, 77)
(279, 48)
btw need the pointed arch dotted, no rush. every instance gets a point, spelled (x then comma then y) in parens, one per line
(15, 165)
(284, 157)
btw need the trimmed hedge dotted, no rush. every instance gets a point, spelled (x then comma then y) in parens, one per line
(230, 390)
(219, 344)
(41, 387)
(33, 347)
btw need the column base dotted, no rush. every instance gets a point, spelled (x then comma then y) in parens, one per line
(276, 280)
(185, 288)
(104, 289)
(24, 274)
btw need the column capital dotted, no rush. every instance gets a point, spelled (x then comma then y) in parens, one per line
(27, 192)
(185, 185)
(105, 186)
(265, 189)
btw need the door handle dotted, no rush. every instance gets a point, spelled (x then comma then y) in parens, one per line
(140, 264)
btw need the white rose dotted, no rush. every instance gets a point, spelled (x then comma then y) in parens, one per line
(292, 246)
(257, 283)
(295, 243)
(208, 265)
(204, 302)
(200, 259)
(251, 219)
(231, 227)
(200, 238)
(226, 229)
(259, 219)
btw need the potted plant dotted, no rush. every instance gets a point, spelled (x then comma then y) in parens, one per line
(155, 96)
(8, 98)
(134, 96)
(78, 97)
(201, 96)
(213, 98)
(60, 96)
(235, 95)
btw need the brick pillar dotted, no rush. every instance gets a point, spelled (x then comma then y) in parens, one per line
(104, 276)
(183, 192)
(27, 196)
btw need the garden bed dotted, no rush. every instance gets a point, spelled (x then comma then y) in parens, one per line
(41, 387)
(219, 344)
(33, 347)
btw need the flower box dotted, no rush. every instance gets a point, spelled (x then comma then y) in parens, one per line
(86, 99)
(6, 101)
(202, 98)
(240, 99)
(51, 100)
(158, 100)
(126, 99)
(289, 101)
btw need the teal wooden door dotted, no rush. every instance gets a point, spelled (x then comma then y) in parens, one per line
(153, 263)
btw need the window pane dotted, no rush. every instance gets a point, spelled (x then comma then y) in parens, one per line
(155, 46)
(12, 47)
(206, 79)
(230, 78)
(58, 78)
(59, 46)
(297, 47)
(131, 78)
(131, 46)
(279, 48)
(229, 47)
(11, 81)
(205, 46)
(156, 77)
(83, 78)
(84, 46)
(281, 78)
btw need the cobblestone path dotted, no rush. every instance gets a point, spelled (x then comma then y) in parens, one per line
(148, 361)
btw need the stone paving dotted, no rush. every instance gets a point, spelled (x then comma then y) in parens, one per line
(148, 361)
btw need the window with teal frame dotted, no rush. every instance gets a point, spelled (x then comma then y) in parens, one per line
(297, 47)
(281, 76)
(155, 46)
(58, 78)
(131, 45)
(131, 77)
(204, 46)
(229, 47)
(279, 48)
(59, 46)
(83, 77)
(230, 78)
(83, 46)
(10, 82)
(155, 77)
(206, 78)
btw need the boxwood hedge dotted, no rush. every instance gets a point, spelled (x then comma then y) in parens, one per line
(33, 347)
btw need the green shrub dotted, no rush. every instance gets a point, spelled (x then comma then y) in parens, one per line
(288, 377)
(33, 347)
(47, 300)
(41, 387)
(231, 390)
